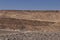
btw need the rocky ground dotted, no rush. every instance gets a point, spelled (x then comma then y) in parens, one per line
(31, 36)
(29, 25)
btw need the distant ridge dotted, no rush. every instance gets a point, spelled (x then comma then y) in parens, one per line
(34, 10)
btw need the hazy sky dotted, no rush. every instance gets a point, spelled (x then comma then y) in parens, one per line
(29, 4)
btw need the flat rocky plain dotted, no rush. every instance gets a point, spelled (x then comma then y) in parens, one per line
(29, 25)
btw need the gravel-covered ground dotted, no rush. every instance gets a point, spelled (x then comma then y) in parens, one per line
(31, 36)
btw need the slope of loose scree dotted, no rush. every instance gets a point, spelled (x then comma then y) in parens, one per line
(23, 24)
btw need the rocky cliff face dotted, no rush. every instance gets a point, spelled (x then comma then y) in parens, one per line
(27, 21)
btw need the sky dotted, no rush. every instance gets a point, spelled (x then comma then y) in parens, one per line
(29, 4)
